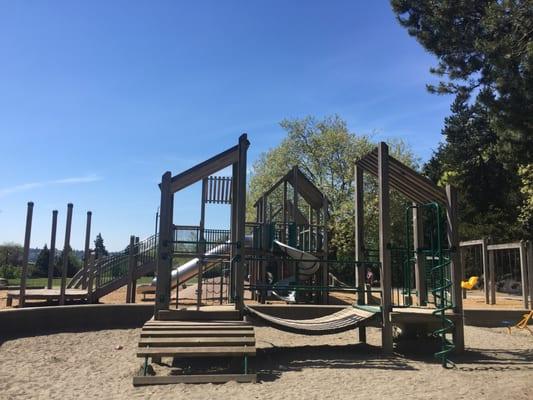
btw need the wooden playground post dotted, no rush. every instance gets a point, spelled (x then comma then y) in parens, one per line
(530, 271)
(164, 258)
(25, 255)
(325, 206)
(418, 243)
(384, 246)
(52, 253)
(202, 248)
(359, 243)
(86, 250)
(485, 261)
(455, 264)
(66, 252)
(523, 272)
(492, 278)
(131, 268)
(241, 217)
(91, 268)
(234, 196)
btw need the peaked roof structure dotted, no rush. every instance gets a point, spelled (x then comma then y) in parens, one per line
(405, 180)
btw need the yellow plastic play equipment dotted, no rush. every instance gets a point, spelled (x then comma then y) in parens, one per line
(522, 324)
(470, 283)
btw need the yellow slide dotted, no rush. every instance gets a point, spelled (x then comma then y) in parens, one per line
(470, 283)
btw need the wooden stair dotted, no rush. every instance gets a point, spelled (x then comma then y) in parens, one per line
(195, 339)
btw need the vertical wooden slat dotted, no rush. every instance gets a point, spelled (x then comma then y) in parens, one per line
(529, 257)
(359, 243)
(86, 250)
(485, 262)
(164, 258)
(241, 211)
(523, 273)
(452, 227)
(131, 268)
(418, 243)
(52, 253)
(66, 252)
(384, 241)
(25, 255)
(492, 277)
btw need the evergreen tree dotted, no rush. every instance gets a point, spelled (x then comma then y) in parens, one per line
(73, 266)
(41, 264)
(99, 247)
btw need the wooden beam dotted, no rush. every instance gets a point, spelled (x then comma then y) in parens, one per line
(418, 243)
(65, 255)
(384, 242)
(86, 250)
(204, 169)
(359, 242)
(492, 278)
(131, 268)
(485, 264)
(530, 271)
(175, 379)
(471, 243)
(25, 255)
(164, 257)
(52, 253)
(523, 273)
(214, 351)
(452, 230)
(240, 223)
(504, 246)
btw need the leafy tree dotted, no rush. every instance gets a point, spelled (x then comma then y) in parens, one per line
(485, 58)
(326, 151)
(41, 264)
(99, 247)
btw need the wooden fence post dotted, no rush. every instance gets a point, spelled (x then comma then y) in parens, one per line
(131, 268)
(523, 272)
(87, 250)
(485, 262)
(384, 246)
(25, 255)
(52, 253)
(66, 252)
(164, 258)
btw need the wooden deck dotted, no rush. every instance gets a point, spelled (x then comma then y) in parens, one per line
(49, 295)
(197, 337)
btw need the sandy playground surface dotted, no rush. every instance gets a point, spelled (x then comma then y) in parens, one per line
(87, 365)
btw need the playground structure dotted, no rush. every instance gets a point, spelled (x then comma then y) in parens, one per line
(283, 257)
(504, 267)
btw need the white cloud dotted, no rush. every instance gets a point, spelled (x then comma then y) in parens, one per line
(64, 181)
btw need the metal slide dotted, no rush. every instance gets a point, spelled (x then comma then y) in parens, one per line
(308, 264)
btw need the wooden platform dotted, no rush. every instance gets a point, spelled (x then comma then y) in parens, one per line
(197, 338)
(50, 295)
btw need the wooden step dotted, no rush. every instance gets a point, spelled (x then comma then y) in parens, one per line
(197, 328)
(197, 323)
(216, 351)
(197, 341)
(199, 333)
(174, 379)
(192, 315)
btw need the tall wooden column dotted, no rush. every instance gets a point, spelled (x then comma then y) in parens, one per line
(234, 201)
(523, 273)
(65, 255)
(164, 258)
(485, 262)
(25, 255)
(455, 264)
(530, 272)
(384, 250)
(202, 247)
(325, 211)
(418, 243)
(52, 253)
(87, 250)
(359, 243)
(131, 268)
(241, 218)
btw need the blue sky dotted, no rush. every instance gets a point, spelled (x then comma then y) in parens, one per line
(99, 98)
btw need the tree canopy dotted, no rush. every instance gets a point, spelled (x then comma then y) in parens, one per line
(485, 58)
(99, 247)
(325, 150)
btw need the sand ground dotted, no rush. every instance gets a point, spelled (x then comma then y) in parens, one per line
(88, 365)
